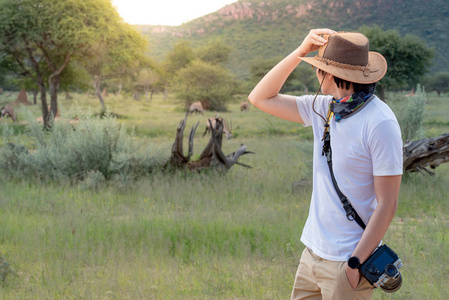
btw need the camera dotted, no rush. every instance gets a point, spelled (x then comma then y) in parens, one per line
(381, 269)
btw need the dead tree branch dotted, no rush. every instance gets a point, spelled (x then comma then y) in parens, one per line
(212, 156)
(429, 152)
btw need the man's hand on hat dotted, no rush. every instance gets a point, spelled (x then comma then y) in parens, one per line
(314, 40)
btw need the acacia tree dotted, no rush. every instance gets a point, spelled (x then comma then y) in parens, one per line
(181, 55)
(17, 50)
(199, 75)
(438, 82)
(119, 54)
(215, 52)
(17, 76)
(178, 58)
(48, 34)
(74, 77)
(303, 76)
(147, 79)
(201, 81)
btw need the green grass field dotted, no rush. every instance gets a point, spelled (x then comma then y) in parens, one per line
(201, 236)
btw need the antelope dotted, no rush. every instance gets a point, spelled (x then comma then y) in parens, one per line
(211, 121)
(196, 107)
(244, 106)
(7, 112)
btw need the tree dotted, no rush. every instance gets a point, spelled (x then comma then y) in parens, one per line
(147, 79)
(199, 75)
(3, 70)
(408, 57)
(438, 82)
(14, 75)
(74, 77)
(303, 76)
(215, 52)
(209, 84)
(118, 54)
(177, 59)
(48, 34)
(17, 48)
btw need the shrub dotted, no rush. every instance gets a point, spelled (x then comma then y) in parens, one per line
(89, 150)
(412, 118)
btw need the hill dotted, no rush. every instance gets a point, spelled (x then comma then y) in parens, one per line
(267, 29)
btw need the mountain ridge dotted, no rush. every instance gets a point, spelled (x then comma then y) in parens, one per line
(267, 29)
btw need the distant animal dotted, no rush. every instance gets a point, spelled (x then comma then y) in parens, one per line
(244, 106)
(7, 112)
(196, 107)
(226, 130)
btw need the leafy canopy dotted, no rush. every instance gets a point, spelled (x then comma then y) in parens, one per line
(199, 75)
(408, 57)
(44, 36)
(215, 52)
(202, 81)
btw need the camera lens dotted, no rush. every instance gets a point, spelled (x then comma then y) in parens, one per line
(394, 281)
(391, 270)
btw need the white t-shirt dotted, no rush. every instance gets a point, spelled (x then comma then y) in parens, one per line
(365, 144)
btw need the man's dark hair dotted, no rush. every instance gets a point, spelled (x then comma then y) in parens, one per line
(344, 84)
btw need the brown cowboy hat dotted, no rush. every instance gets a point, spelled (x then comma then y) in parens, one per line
(346, 55)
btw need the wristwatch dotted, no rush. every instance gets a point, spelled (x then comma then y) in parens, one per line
(354, 262)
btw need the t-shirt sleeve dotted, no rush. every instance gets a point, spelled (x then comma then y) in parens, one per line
(304, 107)
(386, 149)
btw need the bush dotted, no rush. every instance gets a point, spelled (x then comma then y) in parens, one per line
(90, 150)
(412, 118)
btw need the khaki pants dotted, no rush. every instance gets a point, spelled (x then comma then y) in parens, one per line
(318, 278)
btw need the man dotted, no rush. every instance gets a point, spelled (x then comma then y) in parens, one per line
(366, 157)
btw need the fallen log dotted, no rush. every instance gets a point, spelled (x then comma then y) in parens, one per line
(429, 152)
(212, 156)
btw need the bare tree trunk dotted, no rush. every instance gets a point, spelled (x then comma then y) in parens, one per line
(54, 80)
(212, 156)
(44, 106)
(40, 83)
(54, 86)
(97, 87)
(34, 91)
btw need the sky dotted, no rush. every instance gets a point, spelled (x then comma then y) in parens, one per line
(166, 12)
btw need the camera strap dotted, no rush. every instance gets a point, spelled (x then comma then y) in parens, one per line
(351, 213)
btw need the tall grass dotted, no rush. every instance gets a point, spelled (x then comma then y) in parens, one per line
(200, 236)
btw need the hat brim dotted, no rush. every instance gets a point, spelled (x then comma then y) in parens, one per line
(377, 66)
